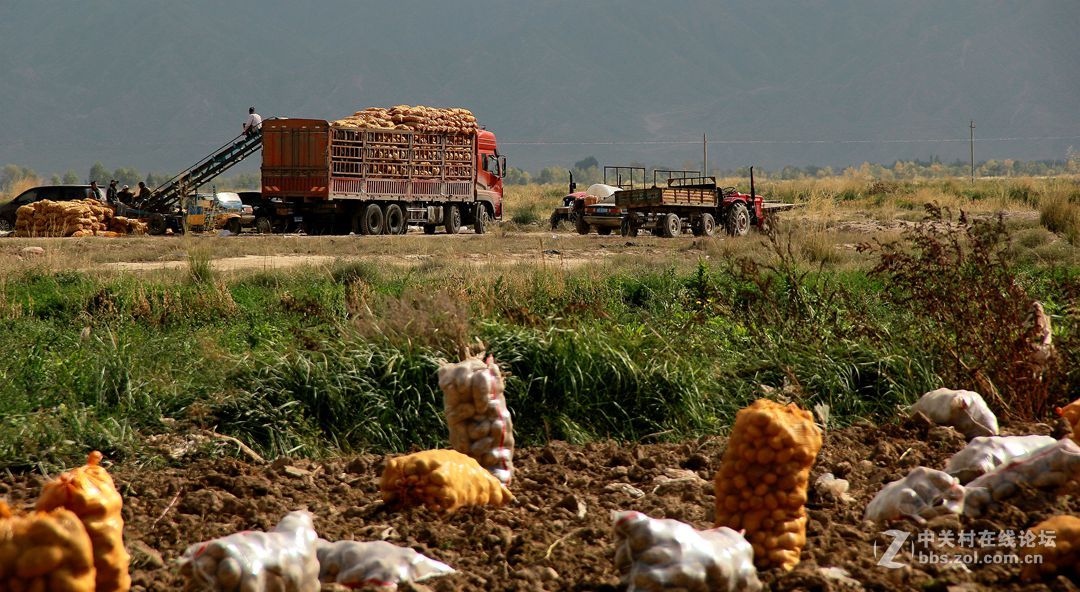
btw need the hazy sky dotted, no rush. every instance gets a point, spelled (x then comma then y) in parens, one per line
(156, 84)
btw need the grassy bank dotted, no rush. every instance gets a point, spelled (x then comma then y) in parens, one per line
(312, 361)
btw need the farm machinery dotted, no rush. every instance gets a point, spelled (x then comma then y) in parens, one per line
(680, 200)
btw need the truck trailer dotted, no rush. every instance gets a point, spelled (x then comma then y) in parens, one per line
(330, 179)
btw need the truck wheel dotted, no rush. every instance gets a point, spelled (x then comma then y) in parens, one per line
(482, 219)
(738, 220)
(233, 225)
(670, 225)
(263, 225)
(603, 230)
(582, 226)
(429, 228)
(372, 220)
(395, 220)
(628, 228)
(453, 220)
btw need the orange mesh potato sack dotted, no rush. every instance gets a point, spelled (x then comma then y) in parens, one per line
(1057, 541)
(1071, 413)
(442, 480)
(44, 551)
(763, 477)
(90, 494)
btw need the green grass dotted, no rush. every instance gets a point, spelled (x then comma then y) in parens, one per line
(315, 362)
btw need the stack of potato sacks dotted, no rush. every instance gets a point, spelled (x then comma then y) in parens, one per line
(480, 465)
(762, 482)
(74, 542)
(418, 118)
(84, 217)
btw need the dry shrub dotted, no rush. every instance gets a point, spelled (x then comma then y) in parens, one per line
(960, 285)
(1060, 212)
(435, 319)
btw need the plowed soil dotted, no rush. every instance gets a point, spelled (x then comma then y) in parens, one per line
(542, 541)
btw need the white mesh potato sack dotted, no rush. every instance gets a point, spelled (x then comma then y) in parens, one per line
(376, 563)
(654, 555)
(477, 416)
(282, 560)
(964, 410)
(924, 493)
(986, 453)
(1048, 468)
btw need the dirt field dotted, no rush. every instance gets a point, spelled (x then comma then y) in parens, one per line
(539, 542)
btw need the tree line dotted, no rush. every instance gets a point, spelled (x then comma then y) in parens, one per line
(588, 170)
(13, 175)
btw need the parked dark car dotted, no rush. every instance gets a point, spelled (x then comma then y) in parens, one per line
(50, 192)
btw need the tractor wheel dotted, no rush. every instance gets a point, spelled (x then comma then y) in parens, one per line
(670, 225)
(453, 220)
(555, 219)
(263, 225)
(6, 225)
(628, 228)
(156, 226)
(395, 220)
(233, 225)
(372, 219)
(738, 220)
(582, 226)
(603, 230)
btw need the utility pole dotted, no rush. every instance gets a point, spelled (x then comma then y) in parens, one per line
(704, 154)
(972, 144)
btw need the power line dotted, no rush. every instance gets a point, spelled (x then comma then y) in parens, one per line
(794, 142)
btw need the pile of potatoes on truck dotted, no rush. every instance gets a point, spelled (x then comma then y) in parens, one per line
(83, 217)
(418, 118)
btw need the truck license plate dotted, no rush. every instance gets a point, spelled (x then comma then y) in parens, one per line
(298, 218)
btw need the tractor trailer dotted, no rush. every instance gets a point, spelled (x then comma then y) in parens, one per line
(326, 178)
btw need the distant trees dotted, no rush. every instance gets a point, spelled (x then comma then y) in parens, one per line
(70, 178)
(12, 174)
(99, 173)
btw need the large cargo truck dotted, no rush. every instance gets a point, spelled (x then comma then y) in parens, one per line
(327, 179)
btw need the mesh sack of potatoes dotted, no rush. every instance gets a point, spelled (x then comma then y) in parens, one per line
(442, 480)
(356, 564)
(1050, 468)
(45, 551)
(654, 555)
(89, 493)
(1057, 544)
(1071, 414)
(283, 560)
(964, 410)
(986, 453)
(476, 414)
(763, 478)
(924, 493)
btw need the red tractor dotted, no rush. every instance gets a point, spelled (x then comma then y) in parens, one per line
(678, 201)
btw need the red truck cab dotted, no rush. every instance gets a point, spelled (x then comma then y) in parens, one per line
(490, 170)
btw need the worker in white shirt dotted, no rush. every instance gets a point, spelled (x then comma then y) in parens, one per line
(253, 123)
